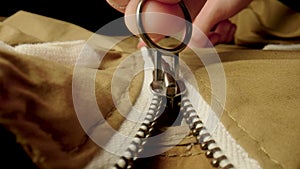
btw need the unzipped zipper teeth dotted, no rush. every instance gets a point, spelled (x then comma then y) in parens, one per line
(136, 146)
(204, 138)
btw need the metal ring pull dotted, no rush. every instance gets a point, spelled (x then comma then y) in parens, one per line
(150, 43)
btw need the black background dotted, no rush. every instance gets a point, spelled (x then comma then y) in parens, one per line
(89, 14)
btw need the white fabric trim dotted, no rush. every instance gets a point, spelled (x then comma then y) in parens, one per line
(234, 152)
(67, 52)
(282, 47)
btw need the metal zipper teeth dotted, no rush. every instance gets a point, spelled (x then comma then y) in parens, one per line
(136, 146)
(204, 138)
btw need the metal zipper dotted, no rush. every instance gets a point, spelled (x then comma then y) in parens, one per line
(198, 129)
(150, 123)
(169, 92)
(204, 138)
(136, 146)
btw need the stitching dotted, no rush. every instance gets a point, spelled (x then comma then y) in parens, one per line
(189, 154)
(185, 154)
(245, 131)
(251, 137)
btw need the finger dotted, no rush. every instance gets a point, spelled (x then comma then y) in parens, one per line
(169, 1)
(119, 5)
(140, 44)
(155, 40)
(213, 39)
(157, 18)
(212, 13)
(207, 17)
(225, 29)
(161, 18)
(232, 33)
(202, 25)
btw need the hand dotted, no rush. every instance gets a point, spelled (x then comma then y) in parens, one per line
(210, 17)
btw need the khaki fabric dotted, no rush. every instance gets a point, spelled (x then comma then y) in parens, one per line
(267, 21)
(261, 109)
(25, 27)
(2, 18)
(36, 94)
